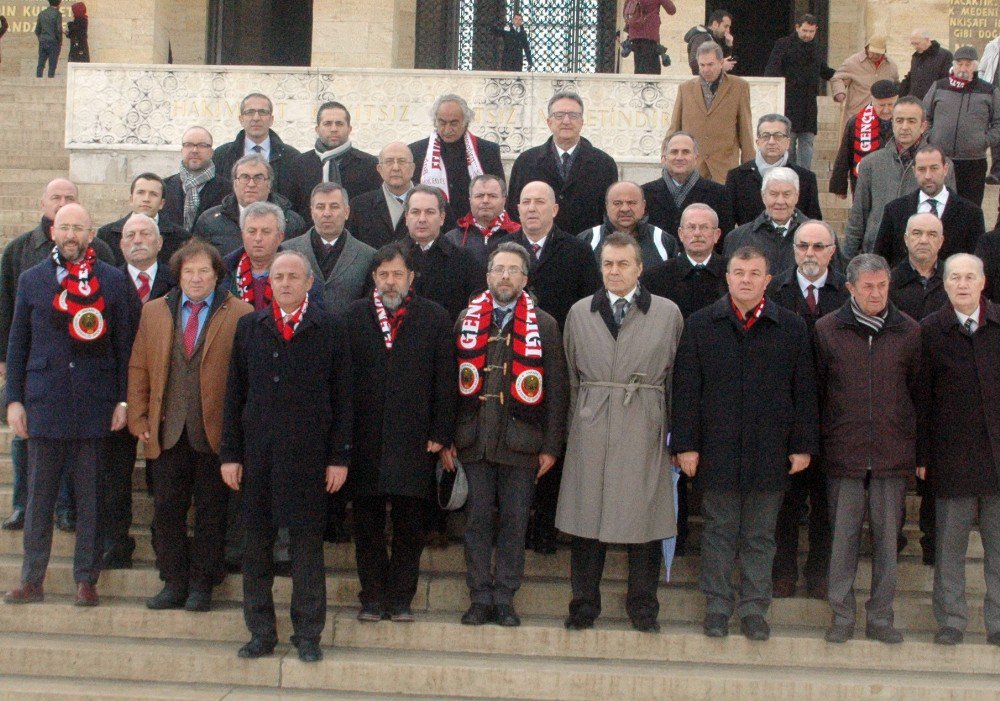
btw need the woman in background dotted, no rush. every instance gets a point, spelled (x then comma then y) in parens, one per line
(76, 30)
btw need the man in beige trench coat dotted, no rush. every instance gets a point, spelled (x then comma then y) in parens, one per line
(617, 483)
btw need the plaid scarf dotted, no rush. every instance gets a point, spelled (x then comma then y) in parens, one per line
(750, 319)
(867, 134)
(679, 192)
(191, 183)
(389, 325)
(501, 222)
(287, 330)
(875, 323)
(244, 282)
(80, 298)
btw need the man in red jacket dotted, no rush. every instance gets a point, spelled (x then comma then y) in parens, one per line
(642, 22)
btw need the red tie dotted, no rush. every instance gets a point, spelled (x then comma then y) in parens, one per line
(144, 289)
(191, 328)
(811, 299)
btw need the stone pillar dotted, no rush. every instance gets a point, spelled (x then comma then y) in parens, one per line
(896, 20)
(672, 31)
(128, 32)
(363, 33)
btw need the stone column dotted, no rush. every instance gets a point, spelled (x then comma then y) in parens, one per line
(128, 32)
(363, 33)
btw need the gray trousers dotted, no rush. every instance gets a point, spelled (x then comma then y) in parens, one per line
(849, 499)
(498, 505)
(954, 522)
(738, 526)
(46, 459)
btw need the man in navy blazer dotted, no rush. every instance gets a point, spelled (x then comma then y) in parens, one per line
(67, 371)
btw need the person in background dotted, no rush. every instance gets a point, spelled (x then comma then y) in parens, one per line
(48, 29)
(642, 22)
(929, 63)
(516, 46)
(76, 31)
(852, 83)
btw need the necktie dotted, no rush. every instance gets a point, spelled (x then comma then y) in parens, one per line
(144, 289)
(780, 231)
(257, 148)
(969, 326)
(191, 328)
(500, 316)
(566, 158)
(811, 299)
(933, 203)
(621, 309)
(699, 266)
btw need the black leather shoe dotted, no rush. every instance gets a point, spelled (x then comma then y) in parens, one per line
(255, 648)
(544, 541)
(113, 561)
(948, 636)
(646, 625)
(754, 627)
(506, 616)
(993, 638)
(576, 621)
(839, 633)
(477, 615)
(283, 568)
(884, 634)
(309, 651)
(168, 598)
(715, 625)
(14, 522)
(198, 601)
(232, 567)
(65, 523)
(371, 613)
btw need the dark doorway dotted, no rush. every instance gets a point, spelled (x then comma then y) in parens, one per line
(259, 33)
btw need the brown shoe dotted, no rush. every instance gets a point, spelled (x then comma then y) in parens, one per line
(783, 588)
(25, 594)
(86, 594)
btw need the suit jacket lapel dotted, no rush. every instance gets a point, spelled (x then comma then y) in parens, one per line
(346, 258)
(724, 87)
(383, 211)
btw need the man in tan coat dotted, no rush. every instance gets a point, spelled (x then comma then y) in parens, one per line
(715, 109)
(617, 482)
(852, 83)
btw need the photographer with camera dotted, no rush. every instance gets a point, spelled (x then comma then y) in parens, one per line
(642, 24)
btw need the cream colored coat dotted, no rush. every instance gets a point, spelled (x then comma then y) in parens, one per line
(855, 78)
(617, 483)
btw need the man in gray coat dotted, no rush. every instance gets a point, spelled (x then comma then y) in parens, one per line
(511, 426)
(617, 481)
(48, 29)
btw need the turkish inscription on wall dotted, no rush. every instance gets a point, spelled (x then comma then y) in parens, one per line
(21, 16)
(974, 23)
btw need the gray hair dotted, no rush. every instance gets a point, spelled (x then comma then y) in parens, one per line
(780, 175)
(263, 209)
(710, 47)
(145, 219)
(866, 263)
(243, 102)
(922, 33)
(773, 117)
(819, 222)
(253, 158)
(564, 95)
(458, 100)
(670, 137)
(700, 207)
(958, 257)
(510, 247)
(295, 254)
(327, 188)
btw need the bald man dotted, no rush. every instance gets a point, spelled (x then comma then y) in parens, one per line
(625, 212)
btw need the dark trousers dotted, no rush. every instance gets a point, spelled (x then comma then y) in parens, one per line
(388, 579)
(738, 526)
(46, 459)
(647, 62)
(233, 551)
(587, 566)
(118, 463)
(47, 52)
(308, 608)
(970, 180)
(19, 499)
(683, 484)
(497, 507)
(546, 498)
(182, 475)
(807, 486)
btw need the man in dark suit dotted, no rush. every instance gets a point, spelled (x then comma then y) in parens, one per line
(451, 156)
(146, 196)
(377, 217)
(289, 360)
(961, 219)
(515, 45)
(811, 289)
(256, 136)
(563, 271)
(682, 185)
(404, 418)
(487, 217)
(67, 370)
(197, 186)
(140, 245)
(332, 160)
(578, 172)
(743, 182)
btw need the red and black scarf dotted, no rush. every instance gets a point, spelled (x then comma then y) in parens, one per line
(80, 298)
(389, 324)
(499, 223)
(287, 330)
(867, 134)
(244, 282)
(957, 83)
(750, 319)
(526, 369)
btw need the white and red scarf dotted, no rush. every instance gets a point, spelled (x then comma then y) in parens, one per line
(244, 282)
(433, 171)
(80, 298)
(287, 329)
(499, 223)
(956, 82)
(527, 370)
(867, 134)
(751, 318)
(389, 325)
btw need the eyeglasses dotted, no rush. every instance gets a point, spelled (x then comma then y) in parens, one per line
(804, 247)
(256, 113)
(571, 116)
(704, 228)
(192, 145)
(395, 161)
(512, 271)
(75, 228)
(244, 179)
(777, 136)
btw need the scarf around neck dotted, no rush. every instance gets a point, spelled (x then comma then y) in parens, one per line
(875, 323)
(956, 82)
(433, 171)
(679, 192)
(191, 183)
(867, 134)
(244, 281)
(499, 223)
(80, 298)
(329, 158)
(389, 325)
(763, 166)
(287, 330)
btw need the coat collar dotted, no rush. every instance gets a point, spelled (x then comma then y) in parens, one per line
(265, 316)
(716, 265)
(277, 145)
(790, 277)
(945, 318)
(893, 320)
(642, 300)
(722, 308)
(905, 274)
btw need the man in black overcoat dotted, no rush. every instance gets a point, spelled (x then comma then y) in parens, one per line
(146, 196)
(196, 186)
(516, 46)
(290, 360)
(404, 415)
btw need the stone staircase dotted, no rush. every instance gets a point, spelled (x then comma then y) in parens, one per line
(121, 650)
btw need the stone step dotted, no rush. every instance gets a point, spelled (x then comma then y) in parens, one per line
(38, 178)
(549, 596)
